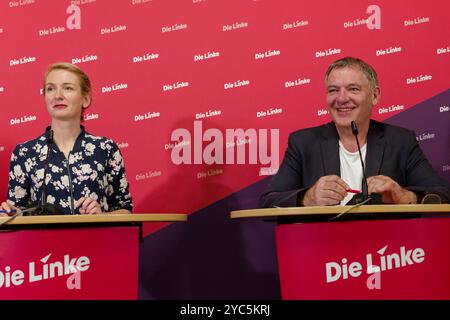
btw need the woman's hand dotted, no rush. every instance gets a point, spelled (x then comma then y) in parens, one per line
(88, 206)
(5, 206)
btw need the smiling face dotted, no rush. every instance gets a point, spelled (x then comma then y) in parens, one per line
(350, 97)
(63, 95)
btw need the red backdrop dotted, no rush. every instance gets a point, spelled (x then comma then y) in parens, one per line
(135, 50)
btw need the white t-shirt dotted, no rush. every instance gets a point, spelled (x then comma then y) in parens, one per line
(351, 170)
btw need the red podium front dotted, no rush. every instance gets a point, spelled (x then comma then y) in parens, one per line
(369, 259)
(72, 257)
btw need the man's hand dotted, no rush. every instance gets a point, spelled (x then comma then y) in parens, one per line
(88, 206)
(390, 190)
(328, 190)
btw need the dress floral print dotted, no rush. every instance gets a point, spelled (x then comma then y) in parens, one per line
(94, 168)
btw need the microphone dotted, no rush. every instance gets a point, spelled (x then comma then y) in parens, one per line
(44, 185)
(373, 198)
(365, 188)
(44, 208)
(431, 198)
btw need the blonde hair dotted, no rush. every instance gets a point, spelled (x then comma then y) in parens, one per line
(85, 82)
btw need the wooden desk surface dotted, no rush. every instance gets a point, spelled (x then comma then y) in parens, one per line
(327, 210)
(100, 218)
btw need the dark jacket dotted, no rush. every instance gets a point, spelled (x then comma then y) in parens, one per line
(314, 152)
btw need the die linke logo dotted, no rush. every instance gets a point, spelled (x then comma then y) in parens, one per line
(328, 52)
(393, 108)
(267, 54)
(133, 2)
(13, 4)
(418, 79)
(50, 31)
(91, 116)
(176, 85)
(211, 172)
(208, 114)
(234, 26)
(113, 29)
(444, 109)
(297, 82)
(374, 263)
(295, 24)
(438, 50)
(207, 55)
(390, 50)
(44, 269)
(148, 175)
(85, 58)
(213, 153)
(80, 2)
(72, 22)
(236, 84)
(425, 136)
(115, 87)
(322, 112)
(372, 22)
(415, 21)
(147, 115)
(23, 119)
(175, 27)
(22, 60)
(145, 57)
(269, 112)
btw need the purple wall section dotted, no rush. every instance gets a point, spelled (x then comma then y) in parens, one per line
(432, 126)
(213, 257)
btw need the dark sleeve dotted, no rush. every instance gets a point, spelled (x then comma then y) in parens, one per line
(19, 183)
(285, 189)
(420, 175)
(118, 192)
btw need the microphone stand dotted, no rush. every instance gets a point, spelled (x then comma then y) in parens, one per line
(44, 208)
(373, 198)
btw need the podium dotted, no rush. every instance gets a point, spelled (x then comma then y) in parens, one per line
(63, 257)
(370, 252)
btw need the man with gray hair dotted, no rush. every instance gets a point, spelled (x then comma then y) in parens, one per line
(322, 165)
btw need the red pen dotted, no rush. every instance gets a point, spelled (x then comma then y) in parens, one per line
(352, 191)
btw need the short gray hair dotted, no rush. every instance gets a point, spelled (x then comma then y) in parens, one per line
(366, 68)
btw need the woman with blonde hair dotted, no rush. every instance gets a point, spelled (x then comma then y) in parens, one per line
(84, 174)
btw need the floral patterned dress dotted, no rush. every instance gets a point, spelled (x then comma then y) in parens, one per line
(94, 168)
